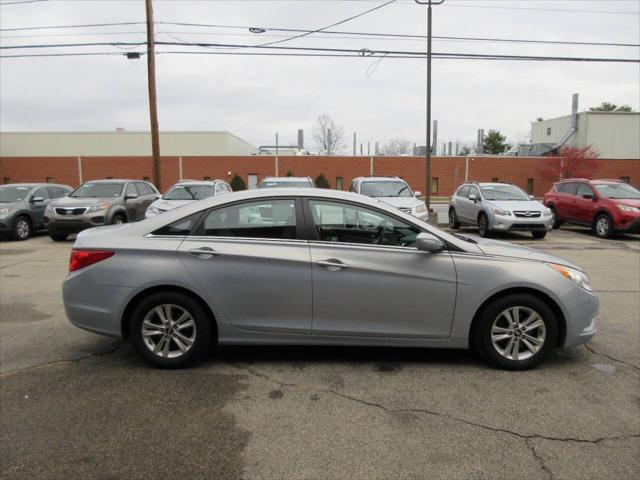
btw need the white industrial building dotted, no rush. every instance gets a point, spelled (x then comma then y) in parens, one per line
(612, 134)
(121, 143)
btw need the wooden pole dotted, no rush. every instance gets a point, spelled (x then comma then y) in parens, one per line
(153, 102)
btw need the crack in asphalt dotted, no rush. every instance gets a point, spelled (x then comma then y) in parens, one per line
(540, 460)
(524, 436)
(613, 359)
(60, 362)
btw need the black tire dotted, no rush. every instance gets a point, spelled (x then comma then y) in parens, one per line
(556, 220)
(539, 234)
(202, 333)
(118, 218)
(483, 226)
(453, 219)
(484, 345)
(58, 237)
(22, 228)
(603, 226)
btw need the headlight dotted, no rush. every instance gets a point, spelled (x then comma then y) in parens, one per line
(5, 210)
(576, 276)
(153, 211)
(499, 211)
(98, 208)
(546, 212)
(421, 208)
(627, 208)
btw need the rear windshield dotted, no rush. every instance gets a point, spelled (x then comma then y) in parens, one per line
(270, 184)
(618, 190)
(98, 190)
(189, 192)
(385, 189)
(503, 192)
(13, 194)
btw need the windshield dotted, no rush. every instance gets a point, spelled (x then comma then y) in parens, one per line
(618, 190)
(189, 192)
(13, 194)
(503, 192)
(270, 184)
(386, 189)
(97, 190)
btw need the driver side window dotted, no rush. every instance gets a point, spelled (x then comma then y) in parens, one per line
(346, 223)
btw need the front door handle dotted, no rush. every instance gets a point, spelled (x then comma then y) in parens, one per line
(333, 265)
(204, 252)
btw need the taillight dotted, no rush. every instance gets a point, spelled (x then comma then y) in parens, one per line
(83, 258)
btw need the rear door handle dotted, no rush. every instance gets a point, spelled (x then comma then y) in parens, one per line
(204, 252)
(333, 265)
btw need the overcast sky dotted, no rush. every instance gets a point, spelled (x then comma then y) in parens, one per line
(254, 97)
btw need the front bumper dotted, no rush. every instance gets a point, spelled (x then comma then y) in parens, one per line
(511, 223)
(628, 224)
(581, 310)
(56, 223)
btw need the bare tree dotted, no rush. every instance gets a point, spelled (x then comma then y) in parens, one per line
(396, 146)
(328, 135)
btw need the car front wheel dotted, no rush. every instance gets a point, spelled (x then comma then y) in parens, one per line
(602, 226)
(516, 332)
(170, 329)
(538, 234)
(21, 228)
(483, 225)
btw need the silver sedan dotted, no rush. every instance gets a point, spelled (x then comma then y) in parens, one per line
(321, 267)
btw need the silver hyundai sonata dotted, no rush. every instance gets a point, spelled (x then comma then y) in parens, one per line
(321, 267)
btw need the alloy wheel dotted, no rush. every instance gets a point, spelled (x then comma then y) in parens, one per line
(482, 226)
(168, 331)
(518, 333)
(602, 226)
(118, 220)
(22, 229)
(452, 219)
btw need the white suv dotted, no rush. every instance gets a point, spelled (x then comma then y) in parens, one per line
(394, 191)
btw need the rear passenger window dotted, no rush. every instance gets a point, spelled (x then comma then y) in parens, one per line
(180, 228)
(262, 219)
(568, 188)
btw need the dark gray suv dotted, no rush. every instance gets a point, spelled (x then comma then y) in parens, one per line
(22, 207)
(99, 202)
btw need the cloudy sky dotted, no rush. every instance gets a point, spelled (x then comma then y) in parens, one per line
(256, 96)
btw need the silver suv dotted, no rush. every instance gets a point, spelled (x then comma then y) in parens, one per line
(498, 207)
(185, 192)
(393, 191)
(99, 202)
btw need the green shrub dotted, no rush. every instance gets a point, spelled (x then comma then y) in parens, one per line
(322, 182)
(237, 183)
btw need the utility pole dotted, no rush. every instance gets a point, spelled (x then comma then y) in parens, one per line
(153, 101)
(429, 3)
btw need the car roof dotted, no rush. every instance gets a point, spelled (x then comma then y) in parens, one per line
(380, 178)
(35, 185)
(287, 179)
(115, 180)
(197, 182)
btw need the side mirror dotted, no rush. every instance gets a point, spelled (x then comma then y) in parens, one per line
(426, 242)
(418, 194)
(588, 196)
(531, 197)
(472, 197)
(36, 199)
(130, 196)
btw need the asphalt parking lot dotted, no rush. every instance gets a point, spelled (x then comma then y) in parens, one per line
(77, 405)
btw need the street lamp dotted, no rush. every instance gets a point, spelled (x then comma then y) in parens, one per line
(429, 3)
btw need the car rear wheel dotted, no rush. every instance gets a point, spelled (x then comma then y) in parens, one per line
(58, 237)
(516, 332)
(483, 225)
(170, 329)
(539, 234)
(21, 228)
(602, 226)
(453, 219)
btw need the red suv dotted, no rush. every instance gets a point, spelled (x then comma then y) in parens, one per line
(607, 206)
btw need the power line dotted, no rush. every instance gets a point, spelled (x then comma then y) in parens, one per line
(2, 4)
(353, 52)
(84, 25)
(332, 25)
